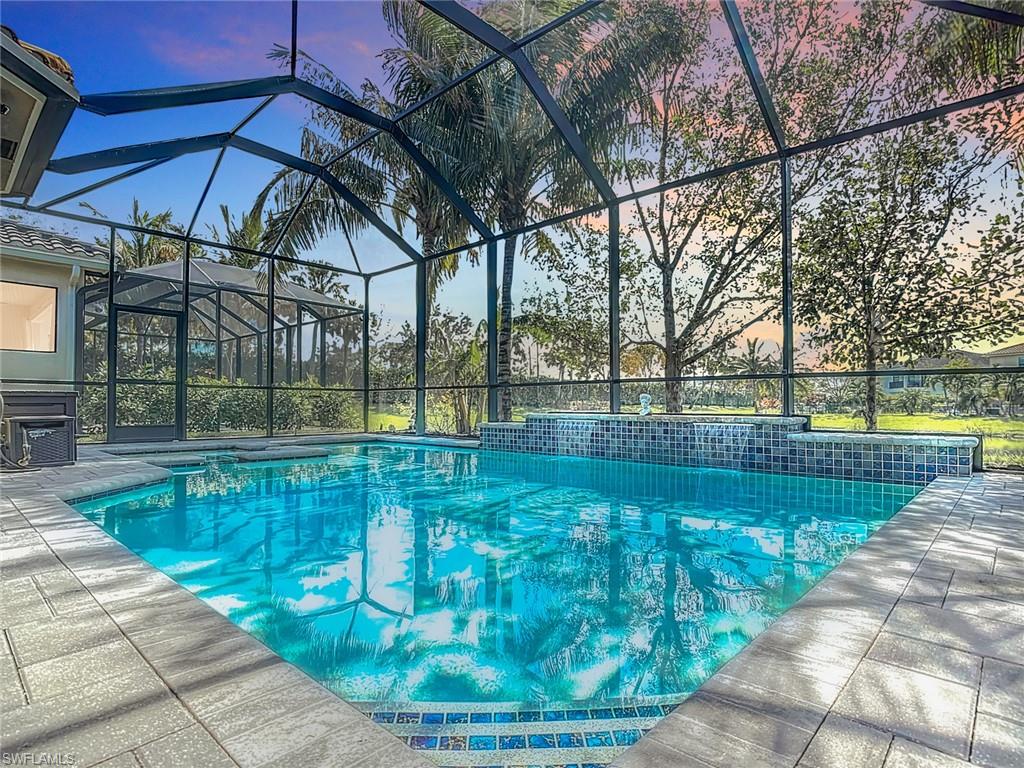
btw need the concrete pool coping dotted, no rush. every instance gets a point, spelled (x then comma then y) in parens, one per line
(912, 649)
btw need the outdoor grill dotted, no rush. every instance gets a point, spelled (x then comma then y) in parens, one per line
(39, 428)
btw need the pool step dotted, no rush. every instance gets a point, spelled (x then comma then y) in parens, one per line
(558, 737)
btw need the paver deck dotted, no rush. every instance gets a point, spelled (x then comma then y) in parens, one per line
(909, 653)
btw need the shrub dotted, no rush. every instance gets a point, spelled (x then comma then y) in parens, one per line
(336, 410)
(292, 409)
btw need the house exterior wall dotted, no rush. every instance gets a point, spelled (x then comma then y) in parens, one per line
(59, 365)
(1006, 361)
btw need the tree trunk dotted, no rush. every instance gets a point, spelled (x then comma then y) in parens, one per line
(429, 241)
(461, 408)
(505, 331)
(480, 406)
(672, 403)
(871, 390)
(754, 385)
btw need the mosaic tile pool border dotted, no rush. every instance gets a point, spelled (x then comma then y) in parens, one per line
(625, 737)
(758, 444)
(438, 717)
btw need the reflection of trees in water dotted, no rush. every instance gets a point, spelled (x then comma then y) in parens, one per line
(672, 619)
(507, 597)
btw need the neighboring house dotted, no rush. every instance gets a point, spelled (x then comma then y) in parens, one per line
(896, 383)
(1007, 356)
(40, 274)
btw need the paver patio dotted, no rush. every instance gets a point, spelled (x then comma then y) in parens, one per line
(910, 653)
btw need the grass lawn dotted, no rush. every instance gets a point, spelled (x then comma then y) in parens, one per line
(924, 422)
(384, 422)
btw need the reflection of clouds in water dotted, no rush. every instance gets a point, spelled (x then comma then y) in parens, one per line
(310, 602)
(390, 564)
(334, 573)
(224, 604)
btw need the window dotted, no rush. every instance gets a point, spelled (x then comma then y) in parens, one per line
(896, 382)
(28, 317)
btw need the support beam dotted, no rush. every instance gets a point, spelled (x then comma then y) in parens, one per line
(346, 194)
(123, 102)
(370, 215)
(111, 337)
(788, 340)
(478, 29)
(614, 335)
(432, 173)
(321, 327)
(220, 158)
(294, 50)
(421, 348)
(270, 347)
(103, 183)
(979, 11)
(181, 374)
(905, 120)
(137, 153)
(473, 71)
(177, 96)
(492, 331)
(366, 354)
(176, 147)
(753, 70)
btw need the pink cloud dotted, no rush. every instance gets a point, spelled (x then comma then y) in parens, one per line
(218, 41)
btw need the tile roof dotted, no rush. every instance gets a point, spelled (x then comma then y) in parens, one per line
(20, 235)
(974, 359)
(1013, 349)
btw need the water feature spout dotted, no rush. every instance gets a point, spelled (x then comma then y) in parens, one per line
(721, 444)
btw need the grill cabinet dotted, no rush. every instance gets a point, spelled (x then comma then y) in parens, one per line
(43, 421)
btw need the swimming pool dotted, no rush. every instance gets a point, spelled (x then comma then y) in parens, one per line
(494, 608)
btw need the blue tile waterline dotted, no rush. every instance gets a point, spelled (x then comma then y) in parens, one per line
(505, 603)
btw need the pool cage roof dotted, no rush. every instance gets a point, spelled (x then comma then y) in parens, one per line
(433, 140)
(158, 284)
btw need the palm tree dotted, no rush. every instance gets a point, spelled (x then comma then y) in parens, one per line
(488, 136)
(970, 51)
(492, 125)
(137, 249)
(249, 233)
(379, 171)
(753, 361)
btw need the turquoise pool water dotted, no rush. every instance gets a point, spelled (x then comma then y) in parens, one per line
(488, 602)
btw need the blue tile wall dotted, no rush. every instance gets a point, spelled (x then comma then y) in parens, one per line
(761, 446)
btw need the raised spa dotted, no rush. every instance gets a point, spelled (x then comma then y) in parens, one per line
(495, 608)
